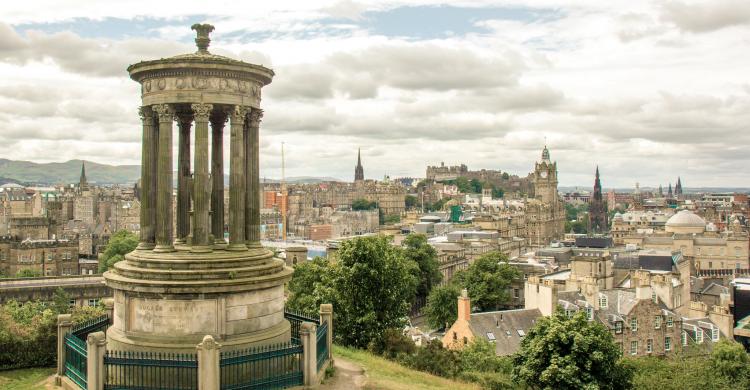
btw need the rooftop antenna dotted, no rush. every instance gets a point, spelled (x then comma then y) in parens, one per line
(283, 195)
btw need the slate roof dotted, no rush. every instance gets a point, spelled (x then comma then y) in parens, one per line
(507, 327)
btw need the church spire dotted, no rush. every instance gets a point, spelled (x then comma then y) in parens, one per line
(359, 171)
(83, 184)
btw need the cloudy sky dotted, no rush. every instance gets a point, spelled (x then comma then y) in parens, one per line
(648, 90)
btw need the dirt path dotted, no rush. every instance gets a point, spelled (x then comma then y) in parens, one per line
(348, 376)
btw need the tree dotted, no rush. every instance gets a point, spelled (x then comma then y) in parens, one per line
(120, 244)
(730, 361)
(363, 205)
(28, 273)
(442, 306)
(562, 352)
(307, 287)
(506, 176)
(576, 226)
(488, 280)
(497, 192)
(476, 186)
(371, 285)
(410, 201)
(61, 301)
(424, 255)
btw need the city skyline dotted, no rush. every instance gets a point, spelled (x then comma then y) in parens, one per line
(648, 90)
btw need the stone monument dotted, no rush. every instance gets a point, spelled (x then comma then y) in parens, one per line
(178, 287)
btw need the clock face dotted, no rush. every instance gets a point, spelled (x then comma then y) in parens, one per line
(543, 174)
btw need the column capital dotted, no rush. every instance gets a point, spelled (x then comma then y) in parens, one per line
(201, 111)
(256, 114)
(239, 113)
(145, 113)
(165, 112)
(218, 118)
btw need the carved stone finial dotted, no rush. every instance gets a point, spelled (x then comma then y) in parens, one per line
(202, 40)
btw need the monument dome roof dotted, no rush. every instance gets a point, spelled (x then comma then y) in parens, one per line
(686, 218)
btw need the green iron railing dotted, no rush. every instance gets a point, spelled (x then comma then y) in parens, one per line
(97, 324)
(322, 344)
(296, 319)
(75, 360)
(125, 370)
(270, 367)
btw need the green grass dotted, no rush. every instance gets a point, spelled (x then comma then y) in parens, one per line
(25, 379)
(384, 374)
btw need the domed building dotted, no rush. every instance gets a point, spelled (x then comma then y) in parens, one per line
(685, 222)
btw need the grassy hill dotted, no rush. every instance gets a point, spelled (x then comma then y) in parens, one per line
(67, 172)
(387, 375)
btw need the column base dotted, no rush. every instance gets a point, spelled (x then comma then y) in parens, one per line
(180, 241)
(145, 246)
(236, 247)
(201, 249)
(164, 248)
(253, 244)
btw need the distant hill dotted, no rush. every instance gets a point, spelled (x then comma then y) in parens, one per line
(302, 180)
(67, 172)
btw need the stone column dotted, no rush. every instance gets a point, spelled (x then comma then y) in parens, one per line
(308, 336)
(64, 324)
(208, 364)
(326, 316)
(218, 119)
(96, 346)
(237, 180)
(201, 194)
(148, 179)
(252, 212)
(185, 121)
(164, 180)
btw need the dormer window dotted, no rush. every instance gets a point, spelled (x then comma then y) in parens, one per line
(603, 301)
(714, 334)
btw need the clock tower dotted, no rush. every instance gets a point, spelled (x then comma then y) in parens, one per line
(545, 178)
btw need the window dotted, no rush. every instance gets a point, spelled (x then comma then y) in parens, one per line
(633, 347)
(657, 322)
(466, 340)
(667, 343)
(455, 336)
(569, 313)
(590, 313)
(72, 303)
(516, 293)
(710, 265)
(521, 333)
(633, 324)
(737, 251)
(649, 345)
(618, 327)
(490, 336)
(93, 302)
(670, 322)
(714, 334)
(699, 335)
(683, 337)
(603, 301)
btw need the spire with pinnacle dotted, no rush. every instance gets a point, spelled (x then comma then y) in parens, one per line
(83, 184)
(669, 190)
(545, 154)
(359, 171)
(597, 185)
(678, 187)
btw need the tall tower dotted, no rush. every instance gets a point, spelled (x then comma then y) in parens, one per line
(597, 208)
(83, 184)
(359, 172)
(669, 191)
(545, 178)
(678, 188)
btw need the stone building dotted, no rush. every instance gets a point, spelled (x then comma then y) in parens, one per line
(46, 257)
(713, 252)
(35, 228)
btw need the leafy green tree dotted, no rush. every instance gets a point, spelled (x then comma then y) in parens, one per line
(730, 361)
(410, 201)
(506, 176)
(373, 285)
(120, 244)
(497, 192)
(488, 280)
(480, 364)
(61, 301)
(28, 273)
(476, 186)
(435, 359)
(576, 227)
(363, 205)
(424, 255)
(307, 287)
(570, 353)
(442, 306)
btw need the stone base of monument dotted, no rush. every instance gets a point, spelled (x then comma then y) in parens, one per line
(167, 302)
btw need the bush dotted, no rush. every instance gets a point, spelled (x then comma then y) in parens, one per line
(28, 333)
(393, 344)
(434, 359)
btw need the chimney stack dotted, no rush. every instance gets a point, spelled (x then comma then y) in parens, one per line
(464, 306)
